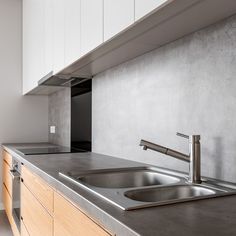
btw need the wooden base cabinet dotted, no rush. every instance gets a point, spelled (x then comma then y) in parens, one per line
(70, 221)
(39, 188)
(7, 190)
(24, 231)
(35, 218)
(7, 203)
(7, 184)
(45, 212)
(7, 179)
(7, 158)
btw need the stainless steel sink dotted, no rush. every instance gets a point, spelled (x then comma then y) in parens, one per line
(140, 187)
(171, 193)
(127, 179)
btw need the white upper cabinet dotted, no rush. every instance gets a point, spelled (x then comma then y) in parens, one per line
(91, 24)
(72, 31)
(48, 36)
(33, 43)
(66, 33)
(143, 7)
(117, 16)
(58, 35)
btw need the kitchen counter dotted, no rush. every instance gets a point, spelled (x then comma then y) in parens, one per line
(204, 217)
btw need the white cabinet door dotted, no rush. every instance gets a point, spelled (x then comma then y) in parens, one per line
(58, 35)
(33, 43)
(72, 31)
(143, 7)
(48, 37)
(91, 24)
(27, 47)
(117, 16)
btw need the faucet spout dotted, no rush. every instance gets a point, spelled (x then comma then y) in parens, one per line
(167, 151)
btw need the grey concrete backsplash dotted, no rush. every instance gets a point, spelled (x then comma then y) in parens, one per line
(187, 86)
(60, 116)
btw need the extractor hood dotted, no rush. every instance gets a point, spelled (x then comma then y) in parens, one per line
(172, 20)
(61, 80)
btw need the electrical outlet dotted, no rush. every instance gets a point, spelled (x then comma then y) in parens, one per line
(52, 129)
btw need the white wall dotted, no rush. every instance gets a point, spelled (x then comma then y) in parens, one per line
(22, 119)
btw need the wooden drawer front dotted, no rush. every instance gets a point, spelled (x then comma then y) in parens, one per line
(14, 229)
(7, 157)
(7, 179)
(7, 203)
(24, 231)
(37, 220)
(70, 221)
(41, 190)
(8, 207)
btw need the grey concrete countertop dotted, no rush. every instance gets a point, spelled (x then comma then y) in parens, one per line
(198, 218)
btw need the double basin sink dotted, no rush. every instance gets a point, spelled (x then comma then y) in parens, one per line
(134, 188)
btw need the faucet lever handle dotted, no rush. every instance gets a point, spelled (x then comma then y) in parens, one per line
(182, 135)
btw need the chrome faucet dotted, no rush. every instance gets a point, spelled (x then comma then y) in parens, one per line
(194, 157)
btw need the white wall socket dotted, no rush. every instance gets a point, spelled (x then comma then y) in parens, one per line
(52, 129)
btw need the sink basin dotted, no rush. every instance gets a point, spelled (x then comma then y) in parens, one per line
(127, 179)
(162, 194)
(141, 187)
